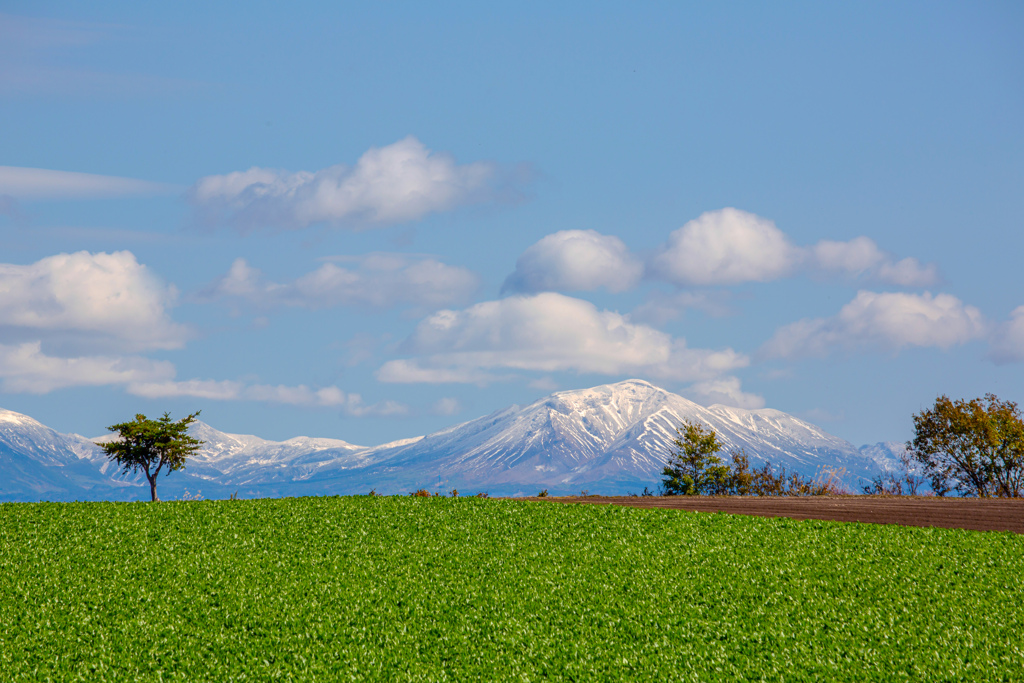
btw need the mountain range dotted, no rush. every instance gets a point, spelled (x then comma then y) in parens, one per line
(610, 439)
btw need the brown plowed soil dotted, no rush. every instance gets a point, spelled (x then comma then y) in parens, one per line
(951, 513)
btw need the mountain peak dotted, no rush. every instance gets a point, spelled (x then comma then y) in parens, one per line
(609, 438)
(12, 418)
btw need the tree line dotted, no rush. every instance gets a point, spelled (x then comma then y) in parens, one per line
(695, 469)
(965, 448)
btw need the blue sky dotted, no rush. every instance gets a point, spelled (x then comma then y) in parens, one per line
(372, 221)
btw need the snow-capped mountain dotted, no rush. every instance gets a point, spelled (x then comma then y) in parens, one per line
(38, 462)
(886, 454)
(241, 459)
(608, 439)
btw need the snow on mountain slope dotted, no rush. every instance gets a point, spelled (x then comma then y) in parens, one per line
(37, 462)
(242, 459)
(886, 454)
(603, 437)
(609, 439)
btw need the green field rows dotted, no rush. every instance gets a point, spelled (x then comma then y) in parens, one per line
(326, 589)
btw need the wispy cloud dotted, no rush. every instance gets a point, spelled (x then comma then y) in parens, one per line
(300, 395)
(861, 257)
(42, 56)
(28, 184)
(725, 391)
(398, 183)
(660, 307)
(25, 368)
(377, 280)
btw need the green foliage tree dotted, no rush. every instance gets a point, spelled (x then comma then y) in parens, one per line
(693, 468)
(152, 446)
(741, 480)
(975, 447)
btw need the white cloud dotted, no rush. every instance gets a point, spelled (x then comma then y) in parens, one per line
(379, 280)
(225, 390)
(725, 247)
(408, 371)
(729, 246)
(547, 332)
(575, 260)
(861, 257)
(109, 300)
(724, 390)
(718, 248)
(300, 395)
(1008, 340)
(24, 368)
(882, 320)
(40, 183)
(400, 182)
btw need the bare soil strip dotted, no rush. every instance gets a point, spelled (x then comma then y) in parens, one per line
(951, 513)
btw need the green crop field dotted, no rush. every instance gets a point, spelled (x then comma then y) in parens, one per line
(326, 589)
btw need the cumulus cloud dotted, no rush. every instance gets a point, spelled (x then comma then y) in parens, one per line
(725, 391)
(397, 183)
(1008, 340)
(24, 368)
(26, 184)
(882, 320)
(101, 300)
(718, 248)
(861, 257)
(547, 332)
(725, 247)
(575, 260)
(226, 390)
(378, 280)
(729, 246)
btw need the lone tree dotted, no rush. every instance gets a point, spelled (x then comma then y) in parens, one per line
(693, 469)
(152, 446)
(975, 447)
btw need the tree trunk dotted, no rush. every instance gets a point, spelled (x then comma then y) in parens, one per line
(152, 488)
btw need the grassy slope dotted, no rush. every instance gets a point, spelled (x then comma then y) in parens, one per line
(441, 589)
